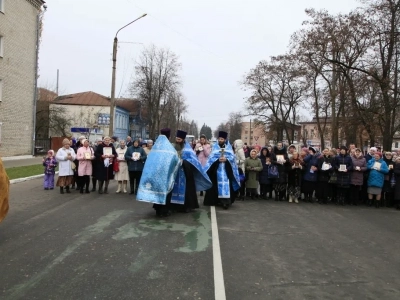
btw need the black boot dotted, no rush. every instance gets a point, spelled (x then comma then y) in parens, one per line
(81, 189)
(377, 204)
(132, 189)
(106, 187)
(61, 190)
(101, 182)
(276, 196)
(67, 190)
(87, 189)
(94, 181)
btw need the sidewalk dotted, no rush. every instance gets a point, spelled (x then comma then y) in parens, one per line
(22, 162)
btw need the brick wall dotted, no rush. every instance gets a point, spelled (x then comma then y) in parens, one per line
(17, 71)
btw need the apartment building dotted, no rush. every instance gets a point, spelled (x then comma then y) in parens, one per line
(18, 61)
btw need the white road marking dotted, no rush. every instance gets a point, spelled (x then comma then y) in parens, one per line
(219, 284)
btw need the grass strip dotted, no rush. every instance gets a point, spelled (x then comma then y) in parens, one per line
(24, 171)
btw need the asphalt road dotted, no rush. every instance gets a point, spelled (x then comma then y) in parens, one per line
(75, 246)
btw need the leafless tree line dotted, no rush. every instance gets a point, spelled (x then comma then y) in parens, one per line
(343, 68)
(157, 85)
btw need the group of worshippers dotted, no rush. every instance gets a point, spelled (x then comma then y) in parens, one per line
(343, 176)
(102, 162)
(175, 172)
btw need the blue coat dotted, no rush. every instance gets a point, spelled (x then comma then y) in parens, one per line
(377, 177)
(310, 160)
(138, 164)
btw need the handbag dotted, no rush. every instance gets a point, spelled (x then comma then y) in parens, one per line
(73, 166)
(333, 178)
(115, 166)
(273, 172)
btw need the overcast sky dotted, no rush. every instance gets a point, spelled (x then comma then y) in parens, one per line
(217, 42)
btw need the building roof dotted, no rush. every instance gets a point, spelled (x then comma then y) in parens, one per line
(131, 105)
(85, 98)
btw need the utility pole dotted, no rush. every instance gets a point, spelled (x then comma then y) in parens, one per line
(114, 68)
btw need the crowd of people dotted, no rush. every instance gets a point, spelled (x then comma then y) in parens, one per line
(343, 176)
(174, 172)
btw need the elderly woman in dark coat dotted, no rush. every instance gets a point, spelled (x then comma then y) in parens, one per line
(396, 171)
(357, 175)
(265, 182)
(325, 162)
(388, 189)
(280, 159)
(343, 166)
(105, 154)
(295, 173)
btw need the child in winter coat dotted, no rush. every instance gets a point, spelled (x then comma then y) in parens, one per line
(50, 164)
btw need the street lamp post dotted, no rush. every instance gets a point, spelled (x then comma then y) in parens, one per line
(112, 104)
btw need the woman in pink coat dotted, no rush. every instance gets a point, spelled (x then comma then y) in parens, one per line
(203, 150)
(85, 156)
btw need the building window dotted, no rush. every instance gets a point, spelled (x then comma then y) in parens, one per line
(246, 132)
(0, 131)
(2, 6)
(1, 45)
(1, 90)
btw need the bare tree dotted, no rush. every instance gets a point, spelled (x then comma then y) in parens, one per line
(156, 77)
(278, 88)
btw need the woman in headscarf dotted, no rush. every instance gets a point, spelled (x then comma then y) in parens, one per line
(85, 155)
(252, 166)
(203, 150)
(65, 157)
(122, 176)
(105, 154)
(310, 174)
(4, 191)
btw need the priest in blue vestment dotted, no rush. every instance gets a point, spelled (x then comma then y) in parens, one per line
(222, 169)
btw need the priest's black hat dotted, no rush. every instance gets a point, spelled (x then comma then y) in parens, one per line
(223, 134)
(181, 134)
(166, 132)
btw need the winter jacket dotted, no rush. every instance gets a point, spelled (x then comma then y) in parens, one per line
(377, 177)
(85, 166)
(343, 178)
(263, 175)
(239, 152)
(202, 155)
(295, 174)
(252, 167)
(357, 177)
(65, 164)
(50, 164)
(138, 164)
(310, 161)
(325, 175)
(396, 171)
(282, 167)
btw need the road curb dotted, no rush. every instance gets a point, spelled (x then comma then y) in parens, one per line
(8, 158)
(18, 180)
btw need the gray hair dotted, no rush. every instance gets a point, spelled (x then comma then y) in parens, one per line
(150, 142)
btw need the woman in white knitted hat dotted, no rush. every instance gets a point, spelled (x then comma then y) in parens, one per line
(65, 157)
